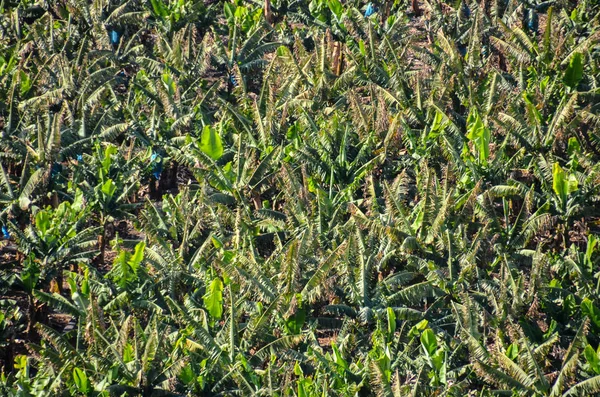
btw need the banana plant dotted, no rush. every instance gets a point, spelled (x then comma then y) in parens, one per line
(57, 238)
(107, 189)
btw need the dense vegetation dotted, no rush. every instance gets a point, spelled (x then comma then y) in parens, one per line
(300, 198)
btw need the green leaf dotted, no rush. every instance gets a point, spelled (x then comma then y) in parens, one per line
(589, 309)
(210, 143)
(438, 125)
(21, 362)
(417, 328)
(479, 134)
(121, 271)
(573, 146)
(187, 375)
(128, 353)
(513, 351)
(109, 188)
(217, 243)
(391, 317)
(26, 83)
(229, 11)
(574, 72)
(78, 201)
(283, 52)
(337, 356)
(30, 275)
(336, 8)
(150, 350)
(559, 182)
(437, 360)
(126, 267)
(591, 356)
(429, 341)
(589, 250)
(42, 221)
(107, 160)
(362, 48)
(294, 323)
(298, 370)
(213, 300)
(562, 184)
(81, 380)
(572, 184)
(532, 110)
(420, 216)
(137, 257)
(169, 83)
(301, 390)
(159, 8)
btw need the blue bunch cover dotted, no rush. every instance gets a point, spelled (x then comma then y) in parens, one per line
(158, 167)
(532, 21)
(370, 10)
(114, 37)
(56, 169)
(466, 10)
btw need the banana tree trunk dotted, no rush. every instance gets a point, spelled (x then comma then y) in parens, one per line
(337, 58)
(267, 9)
(501, 61)
(103, 242)
(415, 8)
(152, 189)
(55, 201)
(386, 11)
(31, 313)
(256, 200)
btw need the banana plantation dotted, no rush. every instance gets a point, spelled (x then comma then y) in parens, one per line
(300, 198)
